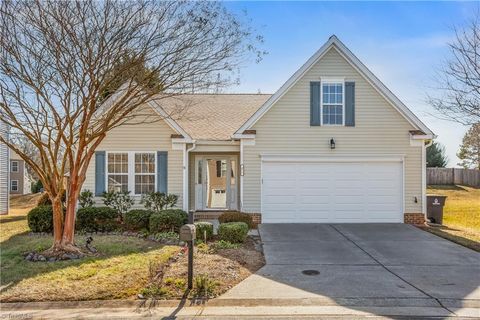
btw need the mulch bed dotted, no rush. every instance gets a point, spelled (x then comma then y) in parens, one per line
(226, 267)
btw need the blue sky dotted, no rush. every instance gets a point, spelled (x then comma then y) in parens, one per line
(403, 43)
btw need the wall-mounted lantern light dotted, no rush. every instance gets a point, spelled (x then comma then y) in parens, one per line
(332, 143)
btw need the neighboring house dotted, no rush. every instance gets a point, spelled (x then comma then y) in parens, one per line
(4, 171)
(20, 183)
(333, 144)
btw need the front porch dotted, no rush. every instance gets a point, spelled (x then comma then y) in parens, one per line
(213, 183)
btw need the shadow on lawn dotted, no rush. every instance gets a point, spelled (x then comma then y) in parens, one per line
(451, 187)
(12, 219)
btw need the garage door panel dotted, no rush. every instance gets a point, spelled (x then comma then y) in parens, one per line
(332, 192)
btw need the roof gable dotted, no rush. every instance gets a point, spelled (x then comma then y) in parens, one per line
(335, 43)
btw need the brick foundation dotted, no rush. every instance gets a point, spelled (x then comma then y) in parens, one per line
(257, 218)
(414, 218)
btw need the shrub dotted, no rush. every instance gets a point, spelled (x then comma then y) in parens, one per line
(234, 232)
(121, 202)
(204, 286)
(167, 236)
(40, 219)
(158, 201)
(36, 186)
(44, 199)
(137, 219)
(167, 220)
(222, 244)
(86, 199)
(235, 216)
(92, 219)
(204, 230)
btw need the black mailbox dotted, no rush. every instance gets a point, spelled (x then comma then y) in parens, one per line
(188, 232)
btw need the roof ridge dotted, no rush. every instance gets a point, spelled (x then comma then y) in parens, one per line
(224, 94)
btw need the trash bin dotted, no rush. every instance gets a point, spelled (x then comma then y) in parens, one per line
(435, 205)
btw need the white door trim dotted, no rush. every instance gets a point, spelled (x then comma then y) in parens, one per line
(343, 158)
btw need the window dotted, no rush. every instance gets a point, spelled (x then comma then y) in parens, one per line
(14, 185)
(14, 166)
(131, 171)
(221, 168)
(117, 172)
(144, 173)
(332, 103)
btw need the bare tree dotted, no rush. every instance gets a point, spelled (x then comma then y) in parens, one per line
(61, 59)
(459, 79)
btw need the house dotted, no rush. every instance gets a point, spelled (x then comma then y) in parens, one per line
(20, 182)
(4, 171)
(333, 144)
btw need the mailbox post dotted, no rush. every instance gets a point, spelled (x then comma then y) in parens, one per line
(188, 234)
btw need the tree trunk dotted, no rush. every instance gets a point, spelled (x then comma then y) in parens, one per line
(69, 228)
(57, 221)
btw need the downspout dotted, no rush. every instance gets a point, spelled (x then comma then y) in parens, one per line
(424, 176)
(186, 174)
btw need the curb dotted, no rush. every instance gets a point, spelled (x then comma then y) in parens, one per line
(219, 302)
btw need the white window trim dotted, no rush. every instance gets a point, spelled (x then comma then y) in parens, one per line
(131, 169)
(332, 81)
(11, 185)
(18, 166)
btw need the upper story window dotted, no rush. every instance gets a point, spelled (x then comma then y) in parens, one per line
(332, 103)
(131, 171)
(14, 166)
(14, 185)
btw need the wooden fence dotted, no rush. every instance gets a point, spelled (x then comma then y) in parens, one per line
(467, 177)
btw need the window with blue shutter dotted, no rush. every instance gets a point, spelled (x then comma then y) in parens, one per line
(162, 171)
(99, 173)
(350, 104)
(314, 103)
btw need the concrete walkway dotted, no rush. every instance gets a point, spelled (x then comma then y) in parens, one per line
(360, 266)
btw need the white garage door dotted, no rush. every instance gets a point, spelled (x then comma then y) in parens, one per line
(332, 192)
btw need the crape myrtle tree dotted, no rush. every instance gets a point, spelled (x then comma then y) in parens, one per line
(71, 71)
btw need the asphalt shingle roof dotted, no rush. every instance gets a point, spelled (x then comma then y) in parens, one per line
(212, 116)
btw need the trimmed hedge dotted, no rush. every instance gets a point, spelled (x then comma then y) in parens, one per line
(236, 216)
(234, 232)
(203, 227)
(168, 220)
(138, 219)
(92, 219)
(40, 219)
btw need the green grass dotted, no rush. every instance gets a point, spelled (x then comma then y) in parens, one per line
(120, 270)
(461, 215)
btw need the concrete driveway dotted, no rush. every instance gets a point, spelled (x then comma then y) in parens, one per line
(370, 264)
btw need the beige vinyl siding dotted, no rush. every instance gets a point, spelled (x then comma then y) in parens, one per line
(152, 136)
(379, 129)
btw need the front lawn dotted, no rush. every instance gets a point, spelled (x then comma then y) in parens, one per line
(461, 215)
(124, 266)
(120, 270)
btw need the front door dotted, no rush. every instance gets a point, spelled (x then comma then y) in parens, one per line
(215, 182)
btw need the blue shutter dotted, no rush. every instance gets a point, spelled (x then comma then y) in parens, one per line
(162, 171)
(314, 103)
(99, 172)
(350, 104)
